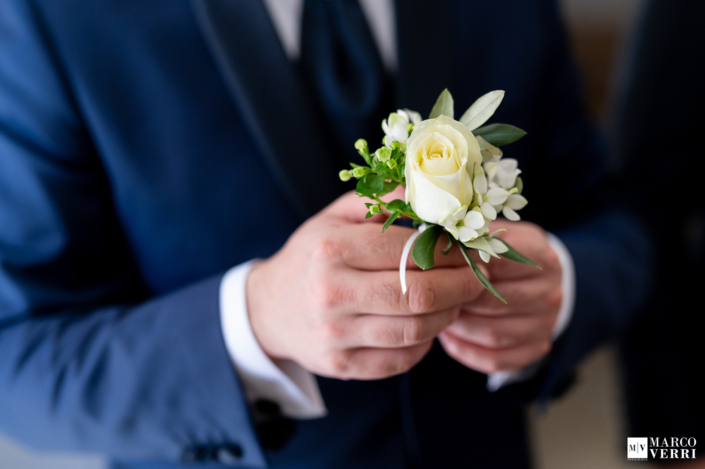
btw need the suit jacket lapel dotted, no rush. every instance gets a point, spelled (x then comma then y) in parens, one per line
(271, 99)
(424, 54)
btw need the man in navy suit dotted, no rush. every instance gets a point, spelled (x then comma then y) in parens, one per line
(149, 151)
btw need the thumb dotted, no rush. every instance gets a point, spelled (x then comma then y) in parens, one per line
(351, 207)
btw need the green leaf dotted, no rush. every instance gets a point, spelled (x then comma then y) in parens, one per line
(425, 246)
(370, 184)
(368, 215)
(513, 254)
(482, 109)
(478, 273)
(390, 220)
(446, 250)
(387, 188)
(500, 134)
(443, 106)
(396, 204)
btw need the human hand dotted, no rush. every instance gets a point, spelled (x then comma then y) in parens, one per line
(490, 336)
(330, 298)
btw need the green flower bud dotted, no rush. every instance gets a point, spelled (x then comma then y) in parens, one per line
(360, 171)
(392, 164)
(384, 154)
(375, 209)
(361, 145)
(345, 175)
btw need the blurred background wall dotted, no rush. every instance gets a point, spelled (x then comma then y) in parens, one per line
(583, 430)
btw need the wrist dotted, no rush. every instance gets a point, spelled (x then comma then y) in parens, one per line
(256, 294)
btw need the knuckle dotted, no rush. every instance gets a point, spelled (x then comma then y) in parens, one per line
(420, 298)
(338, 364)
(412, 332)
(334, 330)
(326, 250)
(326, 294)
(494, 338)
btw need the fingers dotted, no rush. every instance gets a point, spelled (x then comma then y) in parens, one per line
(530, 241)
(376, 363)
(530, 294)
(488, 360)
(502, 332)
(349, 207)
(368, 248)
(371, 330)
(429, 291)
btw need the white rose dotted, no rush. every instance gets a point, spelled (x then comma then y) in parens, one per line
(440, 157)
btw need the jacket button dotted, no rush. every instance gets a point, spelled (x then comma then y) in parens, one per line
(195, 454)
(230, 454)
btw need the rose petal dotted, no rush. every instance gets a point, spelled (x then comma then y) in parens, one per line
(429, 201)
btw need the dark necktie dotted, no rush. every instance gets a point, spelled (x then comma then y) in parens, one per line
(344, 73)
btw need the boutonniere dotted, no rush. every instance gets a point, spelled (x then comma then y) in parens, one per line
(455, 177)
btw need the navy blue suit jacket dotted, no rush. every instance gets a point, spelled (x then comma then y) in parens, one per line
(141, 142)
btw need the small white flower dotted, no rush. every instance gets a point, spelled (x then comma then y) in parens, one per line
(480, 184)
(498, 246)
(502, 176)
(396, 127)
(464, 224)
(484, 247)
(488, 247)
(514, 202)
(413, 116)
(507, 172)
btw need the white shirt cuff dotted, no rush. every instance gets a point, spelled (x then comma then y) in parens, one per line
(289, 385)
(502, 378)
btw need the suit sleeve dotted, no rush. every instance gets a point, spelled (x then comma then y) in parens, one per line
(90, 360)
(574, 199)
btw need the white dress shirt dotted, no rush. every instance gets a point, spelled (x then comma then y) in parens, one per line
(285, 382)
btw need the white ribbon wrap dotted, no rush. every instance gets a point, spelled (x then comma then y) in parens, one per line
(405, 256)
